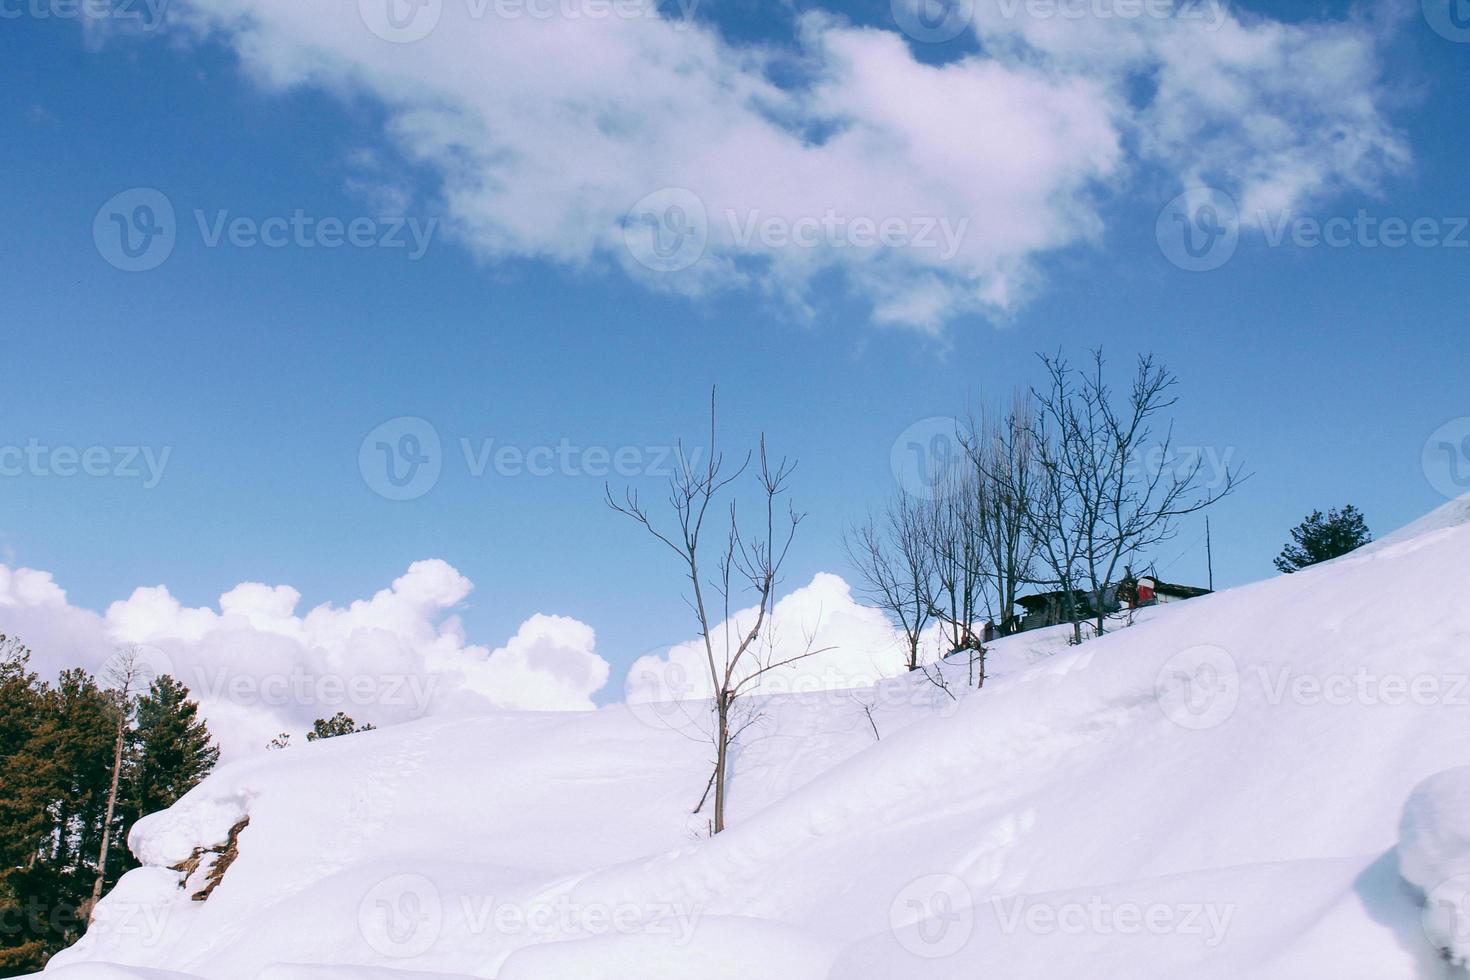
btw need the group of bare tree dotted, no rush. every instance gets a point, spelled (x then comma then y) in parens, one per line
(952, 552)
(1061, 489)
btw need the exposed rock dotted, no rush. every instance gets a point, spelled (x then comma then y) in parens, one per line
(214, 860)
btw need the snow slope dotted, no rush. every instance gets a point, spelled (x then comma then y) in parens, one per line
(1216, 791)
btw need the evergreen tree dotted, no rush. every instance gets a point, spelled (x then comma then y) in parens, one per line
(27, 771)
(54, 884)
(339, 724)
(58, 757)
(1321, 537)
(172, 751)
(28, 782)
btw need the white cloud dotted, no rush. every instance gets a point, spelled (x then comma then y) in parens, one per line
(859, 648)
(544, 132)
(259, 667)
(1277, 114)
(34, 608)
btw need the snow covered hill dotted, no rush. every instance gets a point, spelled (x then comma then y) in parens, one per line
(1214, 792)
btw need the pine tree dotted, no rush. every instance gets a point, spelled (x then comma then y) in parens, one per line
(172, 751)
(339, 724)
(27, 770)
(58, 879)
(28, 787)
(1321, 537)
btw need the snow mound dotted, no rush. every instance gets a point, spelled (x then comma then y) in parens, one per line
(1441, 520)
(1434, 856)
(1217, 791)
(171, 836)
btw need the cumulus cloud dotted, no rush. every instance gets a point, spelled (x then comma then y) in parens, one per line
(35, 608)
(653, 144)
(259, 667)
(851, 645)
(1277, 114)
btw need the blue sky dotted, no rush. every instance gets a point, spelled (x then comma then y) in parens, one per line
(1324, 370)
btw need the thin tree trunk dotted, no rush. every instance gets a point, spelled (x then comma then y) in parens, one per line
(721, 758)
(117, 754)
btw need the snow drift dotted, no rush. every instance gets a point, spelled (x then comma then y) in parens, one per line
(1217, 791)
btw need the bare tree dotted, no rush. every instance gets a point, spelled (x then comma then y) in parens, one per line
(1104, 501)
(125, 673)
(1003, 456)
(745, 562)
(961, 597)
(1061, 512)
(959, 555)
(895, 562)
